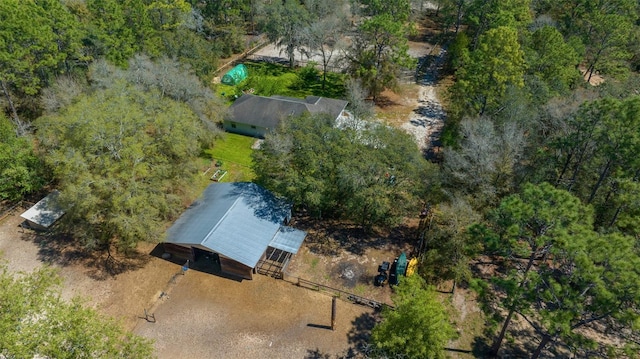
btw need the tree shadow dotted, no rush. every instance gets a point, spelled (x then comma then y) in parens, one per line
(521, 346)
(360, 333)
(63, 250)
(318, 354)
(383, 101)
(481, 345)
(330, 237)
(480, 348)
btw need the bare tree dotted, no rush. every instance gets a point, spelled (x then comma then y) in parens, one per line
(61, 93)
(170, 78)
(486, 162)
(323, 39)
(357, 96)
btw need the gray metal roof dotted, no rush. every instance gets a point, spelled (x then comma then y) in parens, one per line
(288, 239)
(238, 220)
(46, 212)
(267, 112)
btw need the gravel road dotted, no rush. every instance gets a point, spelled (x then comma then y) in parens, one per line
(427, 120)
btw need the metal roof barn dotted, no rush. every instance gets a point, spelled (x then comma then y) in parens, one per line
(238, 221)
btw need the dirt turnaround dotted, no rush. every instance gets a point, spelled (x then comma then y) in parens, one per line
(197, 315)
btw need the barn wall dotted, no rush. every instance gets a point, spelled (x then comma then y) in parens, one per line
(234, 268)
(178, 251)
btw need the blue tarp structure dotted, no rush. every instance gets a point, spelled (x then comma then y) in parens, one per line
(235, 75)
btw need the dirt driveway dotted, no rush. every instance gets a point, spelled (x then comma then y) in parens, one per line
(205, 316)
(199, 315)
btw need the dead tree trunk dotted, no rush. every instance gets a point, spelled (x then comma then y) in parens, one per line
(21, 127)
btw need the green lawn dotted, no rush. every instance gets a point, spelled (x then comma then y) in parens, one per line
(266, 79)
(234, 152)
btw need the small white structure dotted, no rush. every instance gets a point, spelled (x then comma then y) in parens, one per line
(44, 213)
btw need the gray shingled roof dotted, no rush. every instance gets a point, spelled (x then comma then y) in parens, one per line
(267, 112)
(238, 220)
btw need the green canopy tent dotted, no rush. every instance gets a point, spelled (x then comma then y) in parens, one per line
(235, 75)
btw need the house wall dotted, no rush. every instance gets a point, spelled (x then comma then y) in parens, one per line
(229, 266)
(244, 129)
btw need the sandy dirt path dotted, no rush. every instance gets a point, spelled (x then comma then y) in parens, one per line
(427, 119)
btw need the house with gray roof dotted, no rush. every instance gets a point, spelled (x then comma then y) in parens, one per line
(238, 226)
(255, 116)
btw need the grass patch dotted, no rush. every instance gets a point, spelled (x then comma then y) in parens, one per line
(394, 107)
(233, 154)
(314, 263)
(360, 289)
(468, 321)
(266, 79)
(225, 91)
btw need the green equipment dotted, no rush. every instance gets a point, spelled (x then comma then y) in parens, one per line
(236, 75)
(401, 266)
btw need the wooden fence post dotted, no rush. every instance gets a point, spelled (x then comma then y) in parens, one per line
(333, 313)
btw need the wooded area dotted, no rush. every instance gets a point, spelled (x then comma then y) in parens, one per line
(110, 101)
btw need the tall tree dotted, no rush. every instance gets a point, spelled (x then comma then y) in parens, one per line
(115, 38)
(323, 36)
(608, 41)
(399, 10)
(606, 28)
(122, 158)
(418, 327)
(448, 245)
(594, 280)
(123, 28)
(367, 173)
(37, 38)
(592, 151)
(379, 53)
(528, 229)
(21, 171)
(496, 64)
(453, 12)
(224, 22)
(483, 15)
(282, 22)
(170, 78)
(36, 322)
(359, 107)
(552, 60)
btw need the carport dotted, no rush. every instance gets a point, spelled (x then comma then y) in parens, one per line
(45, 213)
(283, 246)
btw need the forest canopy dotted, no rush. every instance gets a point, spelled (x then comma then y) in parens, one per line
(536, 171)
